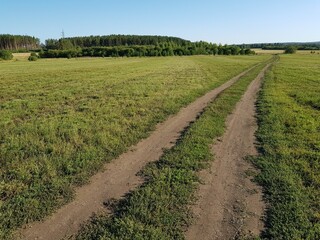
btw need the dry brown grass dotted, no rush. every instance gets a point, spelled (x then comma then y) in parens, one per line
(267, 51)
(21, 55)
(308, 51)
(264, 51)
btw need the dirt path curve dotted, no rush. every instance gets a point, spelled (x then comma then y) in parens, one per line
(230, 205)
(119, 176)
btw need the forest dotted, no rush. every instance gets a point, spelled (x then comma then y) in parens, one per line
(283, 46)
(18, 42)
(117, 46)
(133, 46)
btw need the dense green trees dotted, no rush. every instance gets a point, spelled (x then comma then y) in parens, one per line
(123, 40)
(18, 42)
(134, 46)
(5, 55)
(283, 46)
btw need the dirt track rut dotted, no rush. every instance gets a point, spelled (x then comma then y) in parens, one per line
(120, 176)
(230, 205)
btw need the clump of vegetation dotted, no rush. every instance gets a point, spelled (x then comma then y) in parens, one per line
(33, 57)
(290, 142)
(290, 50)
(159, 208)
(5, 55)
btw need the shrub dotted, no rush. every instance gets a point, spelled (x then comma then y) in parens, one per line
(5, 55)
(290, 50)
(33, 57)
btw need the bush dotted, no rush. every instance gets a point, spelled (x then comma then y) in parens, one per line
(290, 50)
(61, 53)
(5, 55)
(33, 57)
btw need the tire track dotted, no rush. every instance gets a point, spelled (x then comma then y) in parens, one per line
(230, 205)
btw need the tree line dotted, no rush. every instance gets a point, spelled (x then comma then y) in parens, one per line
(118, 46)
(113, 40)
(18, 42)
(283, 46)
(133, 46)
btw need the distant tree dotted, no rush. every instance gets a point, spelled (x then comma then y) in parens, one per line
(290, 50)
(248, 51)
(5, 55)
(65, 44)
(52, 44)
(18, 42)
(235, 50)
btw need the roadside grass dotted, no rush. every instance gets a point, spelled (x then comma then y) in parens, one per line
(159, 209)
(62, 119)
(289, 134)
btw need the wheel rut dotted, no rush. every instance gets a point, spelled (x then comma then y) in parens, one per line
(230, 204)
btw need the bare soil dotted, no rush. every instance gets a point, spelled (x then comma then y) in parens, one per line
(119, 176)
(229, 203)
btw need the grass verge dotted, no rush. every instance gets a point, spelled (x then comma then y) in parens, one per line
(290, 144)
(159, 208)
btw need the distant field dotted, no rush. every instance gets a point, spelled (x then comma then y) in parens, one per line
(308, 52)
(62, 119)
(21, 55)
(289, 115)
(263, 51)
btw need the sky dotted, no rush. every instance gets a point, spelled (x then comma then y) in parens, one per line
(224, 21)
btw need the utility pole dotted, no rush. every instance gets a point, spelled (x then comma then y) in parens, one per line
(62, 34)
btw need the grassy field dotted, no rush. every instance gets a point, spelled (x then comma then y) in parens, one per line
(263, 51)
(289, 133)
(267, 51)
(62, 119)
(160, 208)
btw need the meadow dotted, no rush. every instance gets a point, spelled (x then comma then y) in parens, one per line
(160, 209)
(289, 127)
(62, 119)
(279, 51)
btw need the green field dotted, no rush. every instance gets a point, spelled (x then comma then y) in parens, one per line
(289, 133)
(62, 119)
(159, 209)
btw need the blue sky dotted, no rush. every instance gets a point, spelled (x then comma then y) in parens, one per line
(224, 21)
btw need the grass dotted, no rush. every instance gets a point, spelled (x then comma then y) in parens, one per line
(267, 51)
(61, 120)
(159, 208)
(289, 126)
(278, 51)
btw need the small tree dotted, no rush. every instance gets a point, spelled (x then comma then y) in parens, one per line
(290, 50)
(5, 55)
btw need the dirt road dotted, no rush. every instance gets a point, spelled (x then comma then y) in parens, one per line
(119, 176)
(230, 205)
